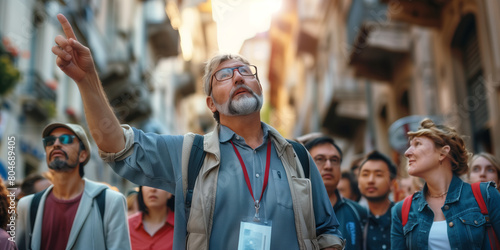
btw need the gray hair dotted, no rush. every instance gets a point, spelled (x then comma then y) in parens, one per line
(213, 64)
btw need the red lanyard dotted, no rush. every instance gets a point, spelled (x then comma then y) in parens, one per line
(247, 179)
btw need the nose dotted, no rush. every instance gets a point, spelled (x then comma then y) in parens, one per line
(238, 78)
(327, 165)
(483, 172)
(57, 142)
(408, 152)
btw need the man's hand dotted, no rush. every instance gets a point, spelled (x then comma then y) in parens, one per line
(74, 59)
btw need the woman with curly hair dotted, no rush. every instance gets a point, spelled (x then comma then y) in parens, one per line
(5, 243)
(445, 213)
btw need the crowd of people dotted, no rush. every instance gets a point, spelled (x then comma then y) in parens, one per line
(243, 185)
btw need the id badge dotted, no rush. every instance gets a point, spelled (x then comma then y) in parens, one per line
(255, 236)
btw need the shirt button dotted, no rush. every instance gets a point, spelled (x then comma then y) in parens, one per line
(446, 207)
(451, 224)
(257, 175)
(237, 137)
(475, 222)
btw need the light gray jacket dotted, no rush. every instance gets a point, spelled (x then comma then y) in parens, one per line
(87, 230)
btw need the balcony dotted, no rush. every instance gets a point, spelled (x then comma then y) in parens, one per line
(39, 100)
(375, 43)
(425, 13)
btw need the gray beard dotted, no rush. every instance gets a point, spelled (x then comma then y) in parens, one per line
(61, 166)
(243, 106)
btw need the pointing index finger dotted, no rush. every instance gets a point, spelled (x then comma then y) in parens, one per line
(66, 26)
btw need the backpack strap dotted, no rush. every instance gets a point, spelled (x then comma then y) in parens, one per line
(476, 190)
(101, 202)
(493, 240)
(196, 158)
(35, 203)
(301, 152)
(405, 210)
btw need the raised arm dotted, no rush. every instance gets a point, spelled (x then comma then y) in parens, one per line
(76, 61)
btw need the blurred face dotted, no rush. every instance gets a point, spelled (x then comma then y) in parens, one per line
(374, 180)
(155, 198)
(239, 95)
(64, 156)
(42, 185)
(327, 159)
(422, 156)
(344, 188)
(482, 171)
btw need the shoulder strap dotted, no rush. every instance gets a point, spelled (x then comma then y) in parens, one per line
(101, 202)
(476, 190)
(195, 162)
(405, 211)
(492, 237)
(35, 203)
(302, 154)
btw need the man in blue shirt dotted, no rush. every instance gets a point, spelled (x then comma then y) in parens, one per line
(376, 178)
(328, 156)
(251, 185)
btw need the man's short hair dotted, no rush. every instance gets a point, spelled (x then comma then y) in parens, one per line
(377, 156)
(80, 134)
(322, 140)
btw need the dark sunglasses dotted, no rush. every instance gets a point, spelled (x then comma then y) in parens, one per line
(63, 139)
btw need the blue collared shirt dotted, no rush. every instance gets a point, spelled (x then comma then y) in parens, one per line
(235, 204)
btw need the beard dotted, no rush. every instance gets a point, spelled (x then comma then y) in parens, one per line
(377, 198)
(242, 106)
(62, 165)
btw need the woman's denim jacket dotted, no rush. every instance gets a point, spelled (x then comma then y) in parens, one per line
(466, 224)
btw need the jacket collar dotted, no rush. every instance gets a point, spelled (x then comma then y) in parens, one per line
(212, 141)
(454, 192)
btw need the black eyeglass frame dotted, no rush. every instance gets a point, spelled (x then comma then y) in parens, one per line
(232, 72)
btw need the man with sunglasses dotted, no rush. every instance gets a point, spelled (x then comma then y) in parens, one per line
(68, 215)
(251, 191)
(328, 156)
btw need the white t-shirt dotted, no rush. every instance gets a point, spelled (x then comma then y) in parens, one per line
(438, 236)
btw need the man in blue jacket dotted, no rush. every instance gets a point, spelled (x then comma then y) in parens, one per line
(327, 155)
(68, 215)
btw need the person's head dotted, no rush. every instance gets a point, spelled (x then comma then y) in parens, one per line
(354, 168)
(433, 147)
(410, 185)
(34, 183)
(4, 206)
(484, 167)
(66, 147)
(377, 174)
(232, 86)
(327, 156)
(153, 198)
(348, 186)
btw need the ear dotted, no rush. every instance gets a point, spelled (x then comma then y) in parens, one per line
(444, 151)
(83, 156)
(211, 104)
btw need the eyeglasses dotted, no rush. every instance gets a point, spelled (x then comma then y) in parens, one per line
(63, 139)
(228, 73)
(320, 161)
